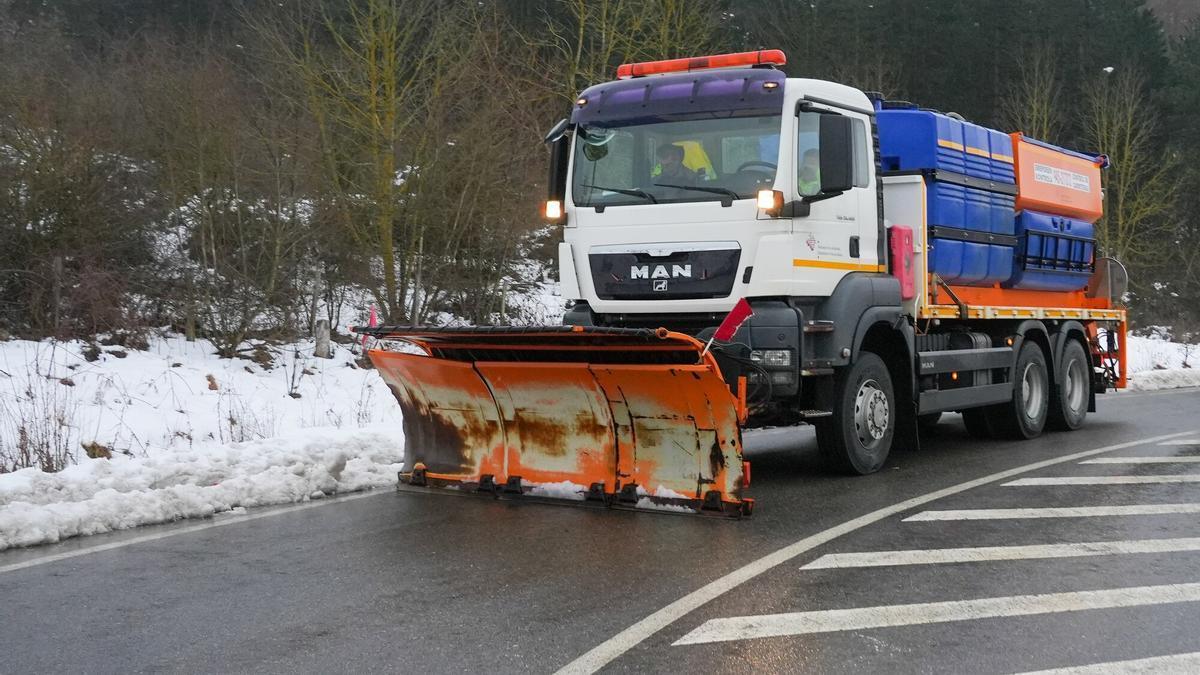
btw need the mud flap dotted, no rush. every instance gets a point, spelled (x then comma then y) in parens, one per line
(631, 417)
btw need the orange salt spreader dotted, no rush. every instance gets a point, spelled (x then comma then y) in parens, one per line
(615, 416)
(1056, 180)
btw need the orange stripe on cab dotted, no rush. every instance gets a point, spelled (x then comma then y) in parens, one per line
(835, 265)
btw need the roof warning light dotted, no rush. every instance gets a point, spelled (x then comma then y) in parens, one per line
(762, 57)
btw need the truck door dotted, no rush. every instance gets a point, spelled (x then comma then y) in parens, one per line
(838, 233)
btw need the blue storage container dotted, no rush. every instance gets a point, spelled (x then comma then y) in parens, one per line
(1054, 253)
(911, 138)
(954, 208)
(968, 263)
(970, 188)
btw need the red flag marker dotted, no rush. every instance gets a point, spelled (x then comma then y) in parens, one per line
(733, 321)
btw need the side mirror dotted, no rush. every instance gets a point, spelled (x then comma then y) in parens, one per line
(560, 154)
(837, 154)
(557, 131)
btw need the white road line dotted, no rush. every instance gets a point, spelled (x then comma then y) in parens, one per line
(1182, 441)
(1101, 480)
(1180, 459)
(861, 618)
(986, 553)
(612, 648)
(1055, 512)
(1184, 664)
(220, 521)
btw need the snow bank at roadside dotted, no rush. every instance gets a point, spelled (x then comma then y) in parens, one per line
(1156, 363)
(1175, 378)
(101, 495)
(178, 394)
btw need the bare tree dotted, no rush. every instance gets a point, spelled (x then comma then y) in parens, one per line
(1032, 103)
(599, 34)
(1142, 185)
(365, 69)
(473, 201)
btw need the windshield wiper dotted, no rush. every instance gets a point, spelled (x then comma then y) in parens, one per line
(698, 188)
(632, 192)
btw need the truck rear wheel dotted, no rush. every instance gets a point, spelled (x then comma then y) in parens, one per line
(1069, 401)
(1025, 415)
(856, 439)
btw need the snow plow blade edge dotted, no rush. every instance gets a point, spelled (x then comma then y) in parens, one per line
(630, 417)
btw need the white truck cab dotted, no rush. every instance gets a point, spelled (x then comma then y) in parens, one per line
(643, 239)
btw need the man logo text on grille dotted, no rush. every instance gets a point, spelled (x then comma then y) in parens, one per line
(660, 272)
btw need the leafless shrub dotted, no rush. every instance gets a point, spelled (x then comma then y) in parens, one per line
(37, 426)
(364, 408)
(241, 423)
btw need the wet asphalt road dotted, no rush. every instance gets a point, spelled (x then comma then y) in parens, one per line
(400, 582)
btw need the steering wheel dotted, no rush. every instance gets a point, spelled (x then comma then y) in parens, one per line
(767, 165)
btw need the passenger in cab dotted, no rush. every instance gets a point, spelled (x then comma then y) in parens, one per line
(810, 174)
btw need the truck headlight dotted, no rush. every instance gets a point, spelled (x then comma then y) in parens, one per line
(778, 358)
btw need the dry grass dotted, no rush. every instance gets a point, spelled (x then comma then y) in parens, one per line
(37, 426)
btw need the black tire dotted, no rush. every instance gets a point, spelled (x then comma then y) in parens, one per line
(1025, 415)
(928, 422)
(976, 422)
(856, 439)
(1069, 400)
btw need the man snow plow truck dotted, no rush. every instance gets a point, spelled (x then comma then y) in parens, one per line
(745, 249)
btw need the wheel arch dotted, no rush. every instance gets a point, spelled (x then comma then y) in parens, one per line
(883, 332)
(1035, 331)
(1032, 329)
(1067, 331)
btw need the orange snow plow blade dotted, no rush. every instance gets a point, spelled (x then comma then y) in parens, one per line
(619, 416)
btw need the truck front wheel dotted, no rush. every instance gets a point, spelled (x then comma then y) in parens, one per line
(856, 439)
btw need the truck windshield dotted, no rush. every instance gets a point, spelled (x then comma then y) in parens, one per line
(693, 160)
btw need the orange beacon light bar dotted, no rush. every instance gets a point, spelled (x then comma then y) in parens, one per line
(762, 57)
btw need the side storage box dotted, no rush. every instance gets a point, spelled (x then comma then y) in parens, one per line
(1051, 179)
(900, 243)
(968, 263)
(1054, 253)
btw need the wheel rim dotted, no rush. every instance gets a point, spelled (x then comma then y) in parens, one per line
(872, 414)
(1075, 385)
(1033, 390)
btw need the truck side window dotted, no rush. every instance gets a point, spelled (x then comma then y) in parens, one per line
(808, 157)
(862, 156)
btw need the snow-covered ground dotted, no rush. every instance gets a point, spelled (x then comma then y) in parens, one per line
(1156, 363)
(189, 434)
(101, 495)
(192, 435)
(178, 394)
